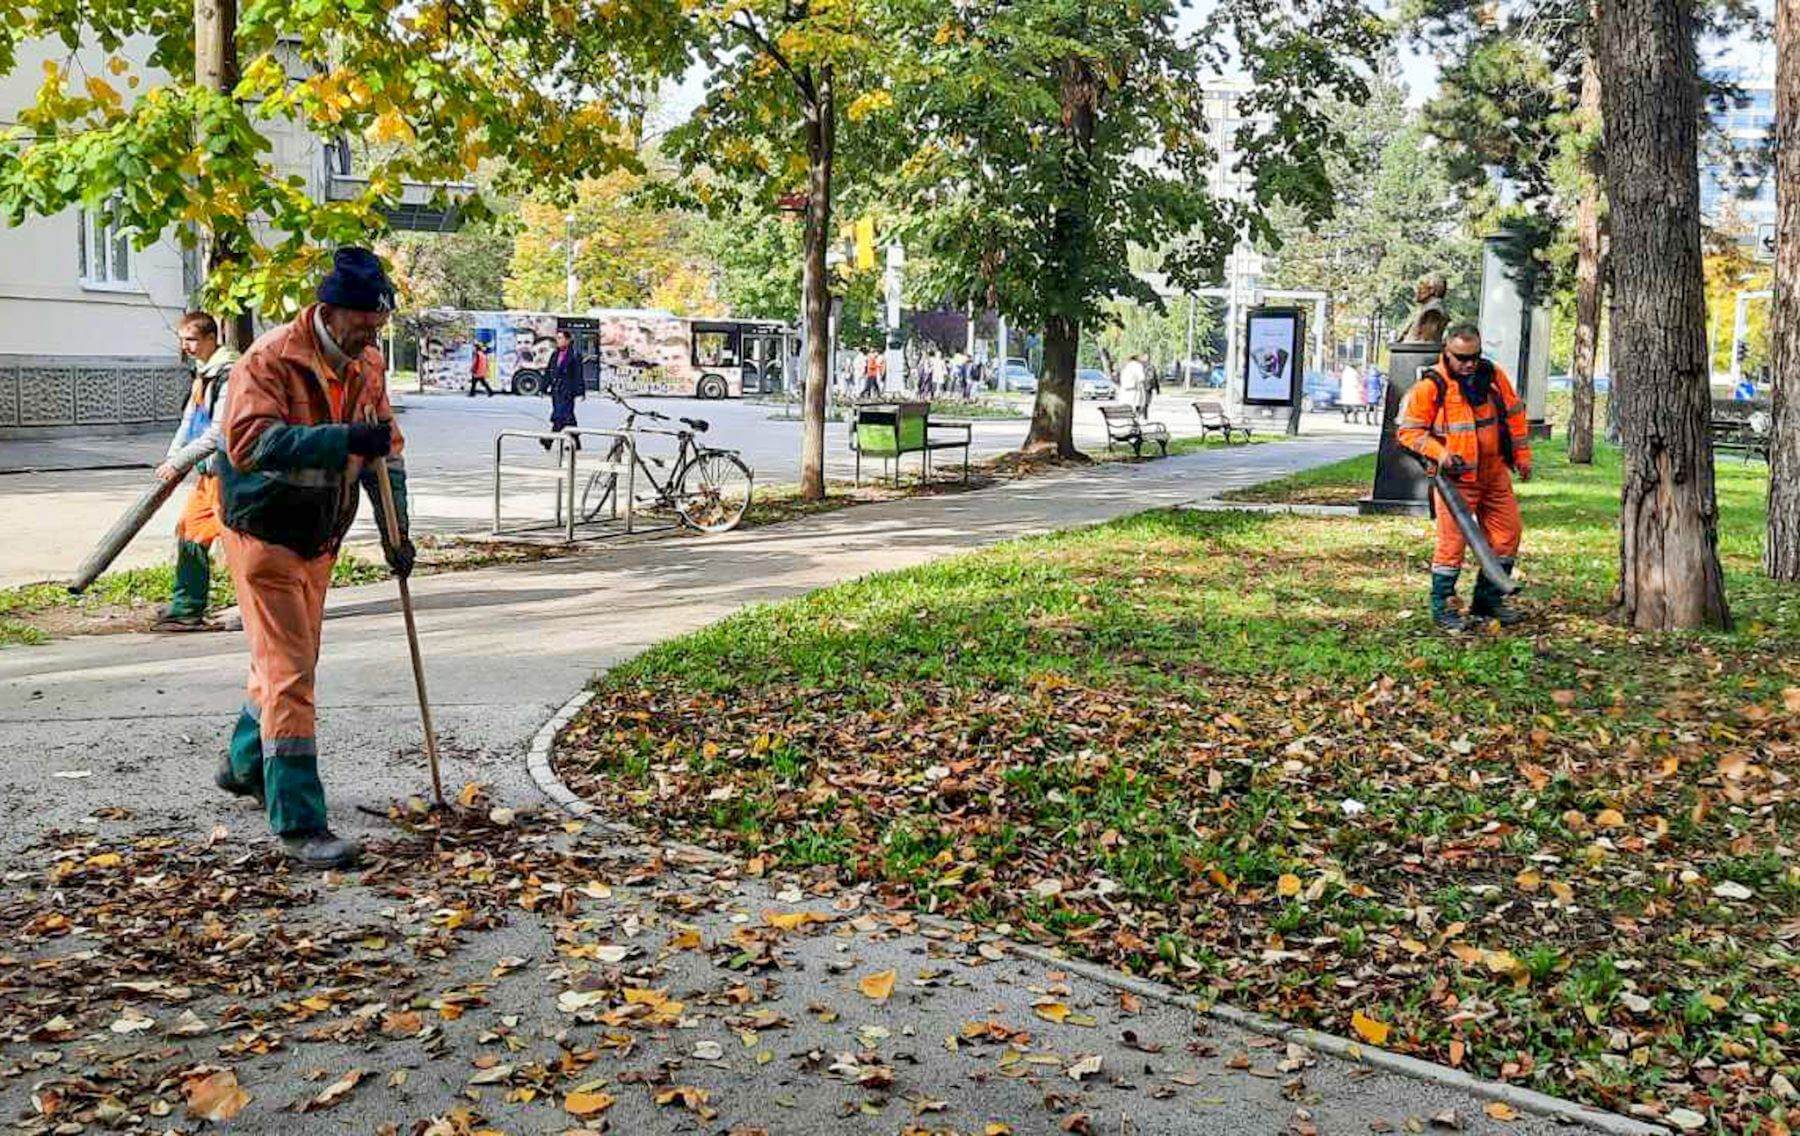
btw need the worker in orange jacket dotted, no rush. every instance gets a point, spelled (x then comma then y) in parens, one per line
(309, 414)
(1465, 416)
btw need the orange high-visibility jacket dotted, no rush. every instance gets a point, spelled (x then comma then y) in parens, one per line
(1435, 427)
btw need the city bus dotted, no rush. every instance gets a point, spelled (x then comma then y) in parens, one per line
(641, 351)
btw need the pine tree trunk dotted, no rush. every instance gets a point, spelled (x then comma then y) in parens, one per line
(1587, 278)
(1781, 555)
(821, 140)
(1669, 569)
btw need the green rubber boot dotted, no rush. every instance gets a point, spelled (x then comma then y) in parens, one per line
(1443, 590)
(293, 796)
(187, 601)
(1489, 602)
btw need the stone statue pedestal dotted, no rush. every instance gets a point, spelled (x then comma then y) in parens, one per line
(1401, 486)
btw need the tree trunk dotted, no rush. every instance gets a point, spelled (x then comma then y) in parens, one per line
(821, 139)
(1781, 556)
(1053, 412)
(1669, 562)
(216, 68)
(1587, 275)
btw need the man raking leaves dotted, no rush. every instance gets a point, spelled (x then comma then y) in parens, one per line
(307, 417)
(1464, 416)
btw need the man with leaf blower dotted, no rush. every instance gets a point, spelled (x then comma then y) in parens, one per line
(308, 415)
(1465, 416)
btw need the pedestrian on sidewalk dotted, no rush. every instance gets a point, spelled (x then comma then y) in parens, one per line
(873, 368)
(564, 379)
(196, 438)
(1134, 384)
(1350, 392)
(1464, 415)
(478, 370)
(931, 375)
(308, 411)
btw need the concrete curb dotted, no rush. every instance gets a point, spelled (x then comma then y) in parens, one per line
(1217, 505)
(538, 761)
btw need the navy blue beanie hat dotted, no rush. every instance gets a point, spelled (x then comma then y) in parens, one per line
(357, 282)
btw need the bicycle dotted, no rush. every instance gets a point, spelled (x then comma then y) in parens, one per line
(708, 488)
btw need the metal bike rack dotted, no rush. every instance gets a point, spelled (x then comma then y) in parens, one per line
(567, 473)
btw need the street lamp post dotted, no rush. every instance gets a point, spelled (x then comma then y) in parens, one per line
(569, 261)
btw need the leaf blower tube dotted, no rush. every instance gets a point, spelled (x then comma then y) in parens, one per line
(129, 524)
(1471, 529)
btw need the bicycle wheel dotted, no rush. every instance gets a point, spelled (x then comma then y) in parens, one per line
(607, 485)
(714, 492)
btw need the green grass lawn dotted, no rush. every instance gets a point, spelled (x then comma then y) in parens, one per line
(1227, 750)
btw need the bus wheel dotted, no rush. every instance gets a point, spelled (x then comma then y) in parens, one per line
(712, 386)
(528, 382)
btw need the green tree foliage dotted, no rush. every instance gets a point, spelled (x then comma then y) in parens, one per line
(1161, 334)
(756, 258)
(1397, 216)
(426, 90)
(631, 250)
(1048, 138)
(781, 77)
(463, 269)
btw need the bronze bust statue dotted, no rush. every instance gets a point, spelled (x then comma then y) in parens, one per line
(1430, 318)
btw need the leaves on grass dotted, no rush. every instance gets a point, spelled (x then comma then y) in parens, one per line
(1372, 1031)
(1178, 745)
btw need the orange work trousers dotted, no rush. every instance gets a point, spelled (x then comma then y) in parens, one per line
(1490, 497)
(282, 597)
(200, 516)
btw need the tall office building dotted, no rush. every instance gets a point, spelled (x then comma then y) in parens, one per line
(1737, 182)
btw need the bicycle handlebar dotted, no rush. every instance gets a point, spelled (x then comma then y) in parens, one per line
(634, 410)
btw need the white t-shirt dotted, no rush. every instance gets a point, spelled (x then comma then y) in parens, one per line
(1350, 387)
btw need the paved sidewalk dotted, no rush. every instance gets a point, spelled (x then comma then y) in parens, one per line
(429, 972)
(52, 517)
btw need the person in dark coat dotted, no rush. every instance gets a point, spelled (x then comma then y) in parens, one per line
(562, 377)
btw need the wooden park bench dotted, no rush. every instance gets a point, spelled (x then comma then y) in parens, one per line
(1124, 427)
(1213, 420)
(889, 430)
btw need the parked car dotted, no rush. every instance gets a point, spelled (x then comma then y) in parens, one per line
(1602, 383)
(1016, 375)
(1091, 383)
(1318, 391)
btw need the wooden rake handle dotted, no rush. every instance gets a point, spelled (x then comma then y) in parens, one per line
(390, 521)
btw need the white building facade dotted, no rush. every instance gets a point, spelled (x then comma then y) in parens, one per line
(87, 319)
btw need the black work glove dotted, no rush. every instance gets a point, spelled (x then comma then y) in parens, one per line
(1454, 466)
(372, 440)
(401, 559)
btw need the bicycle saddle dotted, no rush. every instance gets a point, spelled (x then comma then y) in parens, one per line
(698, 425)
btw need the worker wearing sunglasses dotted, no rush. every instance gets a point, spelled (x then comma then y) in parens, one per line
(1464, 415)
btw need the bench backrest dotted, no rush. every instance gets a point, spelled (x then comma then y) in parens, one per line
(1210, 412)
(1119, 417)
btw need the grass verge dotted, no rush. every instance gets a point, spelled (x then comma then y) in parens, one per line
(1340, 483)
(1227, 751)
